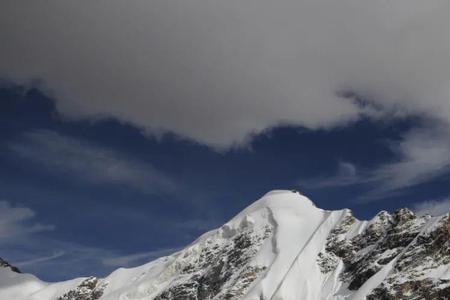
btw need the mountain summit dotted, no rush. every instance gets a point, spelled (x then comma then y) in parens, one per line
(280, 247)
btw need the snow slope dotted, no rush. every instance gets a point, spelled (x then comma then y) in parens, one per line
(280, 247)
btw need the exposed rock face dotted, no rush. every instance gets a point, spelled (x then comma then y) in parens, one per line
(89, 289)
(417, 247)
(218, 268)
(5, 264)
(428, 251)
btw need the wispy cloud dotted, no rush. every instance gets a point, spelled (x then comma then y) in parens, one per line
(59, 259)
(346, 175)
(197, 224)
(422, 155)
(128, 260)
(16, 222)
(22, 243)
(434, 208)
(40, 259)
(89, 162)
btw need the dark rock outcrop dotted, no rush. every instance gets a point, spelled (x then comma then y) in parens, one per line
(5, 264)
(413, 245)
(221, 270)
(89, 289)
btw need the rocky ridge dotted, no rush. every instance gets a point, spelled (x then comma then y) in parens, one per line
(282, 247)
(417, 250)
(5, 264)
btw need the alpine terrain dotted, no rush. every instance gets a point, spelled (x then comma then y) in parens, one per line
(280, 247)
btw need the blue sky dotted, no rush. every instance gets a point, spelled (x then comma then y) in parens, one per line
(85, 197)
(129, 128)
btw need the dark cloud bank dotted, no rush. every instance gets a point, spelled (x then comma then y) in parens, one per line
(218, 71)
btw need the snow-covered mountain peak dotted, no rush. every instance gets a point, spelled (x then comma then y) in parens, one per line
(283, 198)
(280, 201)
(281, 247)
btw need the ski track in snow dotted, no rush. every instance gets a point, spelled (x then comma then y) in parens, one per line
(298, 255)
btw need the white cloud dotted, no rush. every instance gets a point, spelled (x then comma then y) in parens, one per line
(422, 155)
(89, 162)
(16, 222)
(434, 208)
(216, 71)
